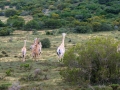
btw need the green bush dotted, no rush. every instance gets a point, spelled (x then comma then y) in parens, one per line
(53, 23)
(49, 33)
(94, 61)
(25, 66)
(33, 24)
(15, 21)
(5, 31)
(106, 27)
(8, 72)
(113, 10)
(2, 13)
(10, 12)
(46, 43)
(83, 29)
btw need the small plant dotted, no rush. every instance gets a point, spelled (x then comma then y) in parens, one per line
(8, 72)
(49, 33)
(25, 66)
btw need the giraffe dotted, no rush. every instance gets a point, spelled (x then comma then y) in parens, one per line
(61, 48)
(36, 49)
(40, 49)
(23, 50)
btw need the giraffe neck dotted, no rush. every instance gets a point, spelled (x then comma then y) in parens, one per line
(63, 39)
(25, 43)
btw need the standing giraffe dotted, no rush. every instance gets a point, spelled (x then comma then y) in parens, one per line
(61, 48)
(36, 49)
(33, 45)
(23, 50)
(40, 47)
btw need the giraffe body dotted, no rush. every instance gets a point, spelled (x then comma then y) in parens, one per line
(61, 48)
(23, 50)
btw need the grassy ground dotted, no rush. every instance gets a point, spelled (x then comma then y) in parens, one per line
(10, 60)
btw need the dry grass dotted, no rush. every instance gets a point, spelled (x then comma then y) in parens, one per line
(3, 19)
(47, 62)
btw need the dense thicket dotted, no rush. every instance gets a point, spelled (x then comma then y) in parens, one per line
(83, 16)
(94, 62)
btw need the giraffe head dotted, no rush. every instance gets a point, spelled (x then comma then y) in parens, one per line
(25, 40)
(63, 34)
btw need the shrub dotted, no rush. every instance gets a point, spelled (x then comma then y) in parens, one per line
(10, 12)
(53, 23)
(25, 66)
(92, 62)
(106, 27)
(32, 24)
(46, 43)
(25, 13)
(83, 29)
(5, 31)
(15, 21)
(8, 72)
(112, 10)
(49, 33)
(2, 13)
(96, 26)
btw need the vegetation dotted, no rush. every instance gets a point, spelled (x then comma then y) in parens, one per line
(97, 15)
(45, 43)
(16, 22)
(26, 73)
(5, 31)
(90, 62)
(93, 62)
(10, 12)
(4, 86)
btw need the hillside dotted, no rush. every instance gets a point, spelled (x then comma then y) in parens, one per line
(82, 16)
